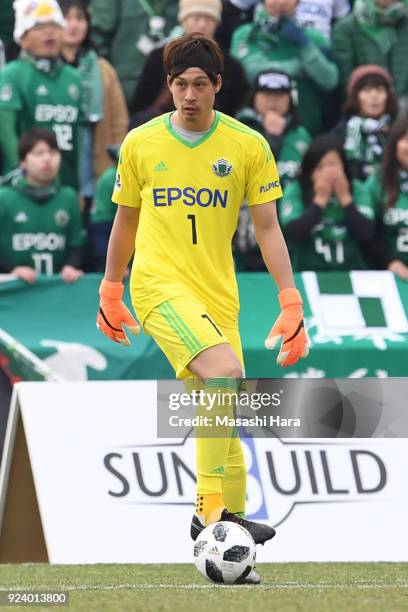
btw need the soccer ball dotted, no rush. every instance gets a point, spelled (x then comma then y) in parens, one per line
(224, 552)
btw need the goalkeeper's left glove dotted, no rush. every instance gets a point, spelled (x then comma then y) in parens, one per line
(290, 326)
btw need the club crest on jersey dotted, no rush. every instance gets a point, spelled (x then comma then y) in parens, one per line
(6, 93)
(222, 167)
(74, 92)
(61, 218)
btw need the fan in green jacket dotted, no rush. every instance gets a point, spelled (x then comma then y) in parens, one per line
(324, 223)
(376, 32)
(41, 228)
(272, 112)
(387, 193)
(125, 31)
(274, 41)
(368, 113)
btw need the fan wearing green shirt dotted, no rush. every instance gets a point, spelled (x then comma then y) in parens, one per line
(387, 193)
(322, 218)
(41, 229)
(103, 213)
(38, 89)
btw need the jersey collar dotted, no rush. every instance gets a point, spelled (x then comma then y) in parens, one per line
(187, 143)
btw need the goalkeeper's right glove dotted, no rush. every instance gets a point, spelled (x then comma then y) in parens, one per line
(113, 314)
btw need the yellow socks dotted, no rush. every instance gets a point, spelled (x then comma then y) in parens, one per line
(234, 481)
(221, 473)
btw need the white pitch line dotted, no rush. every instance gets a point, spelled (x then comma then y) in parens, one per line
(284, 585)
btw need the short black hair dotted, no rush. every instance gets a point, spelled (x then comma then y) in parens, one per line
(29, 140)
(193, 50)
(325, 143)
(85, 9)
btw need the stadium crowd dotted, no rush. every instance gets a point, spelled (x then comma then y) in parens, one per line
(324, 81)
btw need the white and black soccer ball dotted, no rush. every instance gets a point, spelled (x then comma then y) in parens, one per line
(224, 552)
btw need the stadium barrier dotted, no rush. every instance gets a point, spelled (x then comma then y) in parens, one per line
(109, 491)
(22, 532)
(357, 323)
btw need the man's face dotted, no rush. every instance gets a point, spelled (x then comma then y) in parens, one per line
(44, 40)
(41, 164)
(193, 94)
(277, 8)
(203, 24)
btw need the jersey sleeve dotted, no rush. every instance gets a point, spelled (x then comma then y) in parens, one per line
(263, 184)
(10, 98)
(127, 188)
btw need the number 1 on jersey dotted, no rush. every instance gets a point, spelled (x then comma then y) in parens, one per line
(193, 228)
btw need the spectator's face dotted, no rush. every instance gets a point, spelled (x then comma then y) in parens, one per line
(402, 151)
(41, 164)
(193, 95)
(277, 8)
(44, 40)
(329, 166)
(204, 24)
(265, 101)
(77, 27)
(372, 101)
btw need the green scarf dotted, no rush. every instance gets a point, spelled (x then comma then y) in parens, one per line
(49, 65)
(379, 23)
(365, 137)
(92, 85)
(38, 194)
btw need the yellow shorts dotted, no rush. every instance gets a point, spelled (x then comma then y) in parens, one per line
(182, 328)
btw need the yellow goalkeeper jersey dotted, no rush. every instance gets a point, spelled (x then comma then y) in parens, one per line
(190, 195)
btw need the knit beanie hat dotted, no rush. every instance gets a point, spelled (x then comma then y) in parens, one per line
(366, 70)
(30, 13)
(212, 8)
(274, 81)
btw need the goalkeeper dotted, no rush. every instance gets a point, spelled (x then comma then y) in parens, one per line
(180, 181)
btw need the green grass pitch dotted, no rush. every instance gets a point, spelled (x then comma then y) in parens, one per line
(315, 587)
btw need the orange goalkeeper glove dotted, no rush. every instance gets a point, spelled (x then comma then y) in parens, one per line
(113, 314)
(290, 326)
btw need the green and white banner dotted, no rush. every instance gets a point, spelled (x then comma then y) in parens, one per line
(359, 304)
(357, 323)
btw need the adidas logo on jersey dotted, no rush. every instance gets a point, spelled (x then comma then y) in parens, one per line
(160, 167)
(21, 217)
(42, 90)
